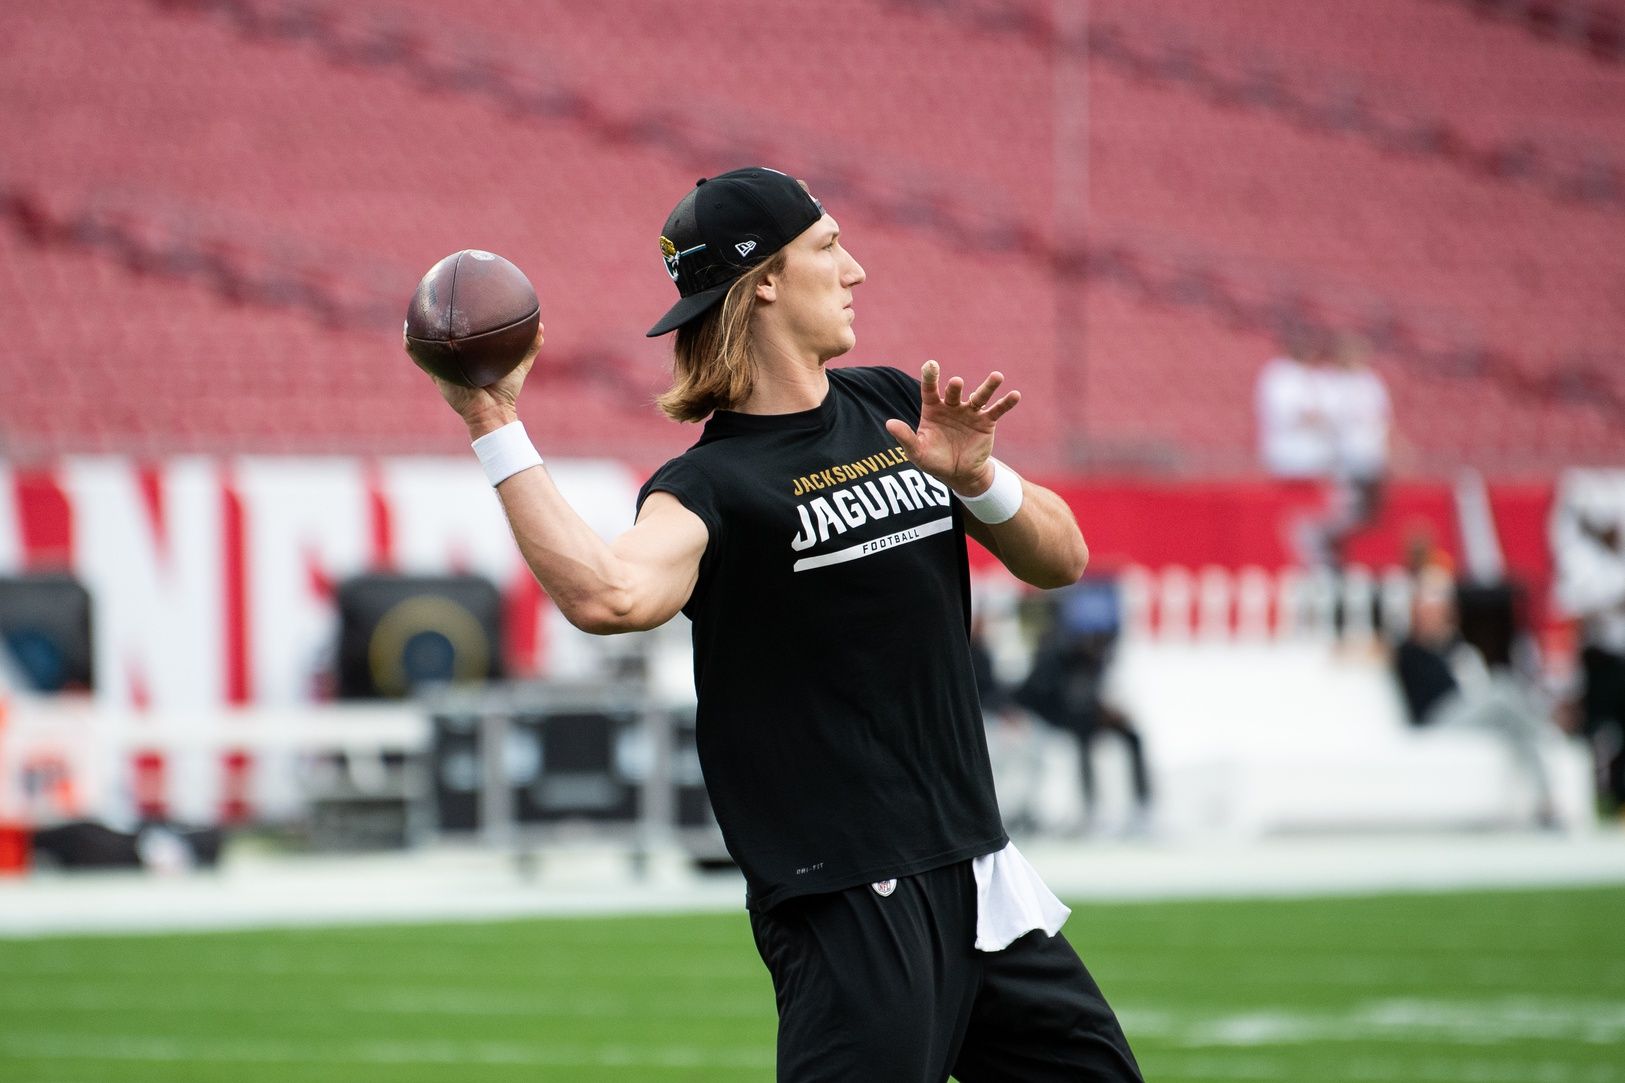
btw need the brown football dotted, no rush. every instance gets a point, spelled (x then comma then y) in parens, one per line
(472, 318)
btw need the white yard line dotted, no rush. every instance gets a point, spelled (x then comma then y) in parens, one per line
(1396, 1020)
(1358, 1068)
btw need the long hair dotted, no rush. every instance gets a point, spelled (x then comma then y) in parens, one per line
(713, 366)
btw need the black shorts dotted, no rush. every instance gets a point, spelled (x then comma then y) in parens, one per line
(890, 988)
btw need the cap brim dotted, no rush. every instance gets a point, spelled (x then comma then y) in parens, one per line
(688, 308)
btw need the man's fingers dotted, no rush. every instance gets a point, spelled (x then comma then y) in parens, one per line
(903, 435)
(984, 394)
(1003, 406)
(954, 396)
(928, 383)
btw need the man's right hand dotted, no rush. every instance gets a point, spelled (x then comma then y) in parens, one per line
(486, 409)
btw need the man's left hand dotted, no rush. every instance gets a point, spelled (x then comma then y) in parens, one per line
(954, 441)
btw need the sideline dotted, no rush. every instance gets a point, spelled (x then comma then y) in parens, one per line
(458, 884)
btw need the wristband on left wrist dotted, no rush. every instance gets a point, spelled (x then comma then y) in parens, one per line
(1001, 500)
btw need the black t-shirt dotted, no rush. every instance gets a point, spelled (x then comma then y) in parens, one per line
(838, 727)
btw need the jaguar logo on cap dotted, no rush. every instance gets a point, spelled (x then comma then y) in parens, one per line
(733, 221)
(669, 252)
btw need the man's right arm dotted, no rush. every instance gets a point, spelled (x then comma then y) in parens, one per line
(638, 581)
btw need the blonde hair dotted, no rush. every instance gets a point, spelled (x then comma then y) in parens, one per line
(713, 367)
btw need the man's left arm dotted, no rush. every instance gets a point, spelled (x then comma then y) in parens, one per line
(1028, 527)
(1041, 544)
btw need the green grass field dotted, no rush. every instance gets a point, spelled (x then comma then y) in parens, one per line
(1512, 987)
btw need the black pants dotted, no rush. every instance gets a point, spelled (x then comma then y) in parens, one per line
(890, 989)
(1103, 718)
(1605, 720)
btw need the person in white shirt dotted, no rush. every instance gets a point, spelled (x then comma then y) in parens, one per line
(1324, 416)
(1360, 413)
(1296, 437)
(1360, 419)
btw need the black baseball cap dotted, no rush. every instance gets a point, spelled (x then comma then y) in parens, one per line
(722, 228)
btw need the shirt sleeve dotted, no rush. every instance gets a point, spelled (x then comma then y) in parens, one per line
(692, 487)
(899, 390)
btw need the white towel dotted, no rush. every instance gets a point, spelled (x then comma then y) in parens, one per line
(1011, 900)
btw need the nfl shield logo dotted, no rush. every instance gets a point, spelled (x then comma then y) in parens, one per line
(884, 887)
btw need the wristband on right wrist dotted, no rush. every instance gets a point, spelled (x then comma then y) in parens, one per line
(1002, 499)
(506, 451)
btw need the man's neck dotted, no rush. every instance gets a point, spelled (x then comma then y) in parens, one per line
(786, 384)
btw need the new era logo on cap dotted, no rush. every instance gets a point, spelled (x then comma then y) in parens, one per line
(722, 228)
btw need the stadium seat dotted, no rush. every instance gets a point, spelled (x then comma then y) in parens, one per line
(299, 159)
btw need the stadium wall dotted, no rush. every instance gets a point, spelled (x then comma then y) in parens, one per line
(213, 578)
(215, 624)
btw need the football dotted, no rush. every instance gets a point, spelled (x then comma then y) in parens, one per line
(472, 319)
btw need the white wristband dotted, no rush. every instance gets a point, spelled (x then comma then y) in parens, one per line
(506, 451)
(1002, 499)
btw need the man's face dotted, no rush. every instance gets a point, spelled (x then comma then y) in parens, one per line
(812, 299)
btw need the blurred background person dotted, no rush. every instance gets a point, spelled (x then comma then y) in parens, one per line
(1449, 682)
(1589, 551)
(1323, 427)
(1297, 441)
(1014, 747)
(1067, 689)
(1361, 417)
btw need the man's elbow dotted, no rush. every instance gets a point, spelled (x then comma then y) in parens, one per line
(607, 614)
(599, 624)
(1065, 568)
(1077, 560)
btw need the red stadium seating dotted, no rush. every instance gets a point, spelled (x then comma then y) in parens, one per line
(234, 194)
(1486, 77)
(1597, 26)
